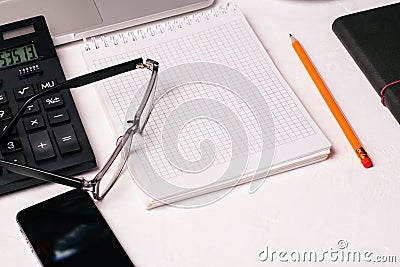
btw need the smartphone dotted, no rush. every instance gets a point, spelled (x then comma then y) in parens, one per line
(69, 230)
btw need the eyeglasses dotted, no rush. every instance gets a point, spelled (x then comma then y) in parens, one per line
(101, 184)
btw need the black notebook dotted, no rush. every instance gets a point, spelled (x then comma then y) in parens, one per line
(372, 38)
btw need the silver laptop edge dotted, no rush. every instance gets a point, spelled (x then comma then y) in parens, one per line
(72, 20)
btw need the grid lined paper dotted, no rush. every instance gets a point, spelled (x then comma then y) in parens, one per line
(230, 44)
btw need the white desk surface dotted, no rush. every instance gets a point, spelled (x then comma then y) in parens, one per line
(311, 208)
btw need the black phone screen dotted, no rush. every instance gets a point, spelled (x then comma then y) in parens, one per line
(69, 230)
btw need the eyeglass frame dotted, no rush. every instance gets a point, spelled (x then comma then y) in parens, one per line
(136, 126)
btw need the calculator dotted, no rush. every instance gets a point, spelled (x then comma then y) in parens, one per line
(50, 135)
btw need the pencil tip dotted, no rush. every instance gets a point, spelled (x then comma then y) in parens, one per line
(290, 35)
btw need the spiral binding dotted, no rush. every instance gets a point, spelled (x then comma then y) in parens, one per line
(104, 41)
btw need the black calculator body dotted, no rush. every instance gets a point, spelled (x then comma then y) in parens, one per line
(50, 135)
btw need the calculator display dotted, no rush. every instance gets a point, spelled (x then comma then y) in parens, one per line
(17, 55)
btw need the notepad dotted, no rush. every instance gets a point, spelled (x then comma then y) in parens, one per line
(371, 38)
(207, 131)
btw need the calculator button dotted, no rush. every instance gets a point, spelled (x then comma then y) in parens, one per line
(3, 126)
(53, 101)
(41, 145)
(23, 92)
(5, 113)
(18, 157)
(31, 109)
(42, 86)
(66, 139)
(3, 98)
(58, 116)
(34, 123)
(10, 146)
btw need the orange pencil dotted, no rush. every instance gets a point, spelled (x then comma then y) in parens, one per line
(337, 113)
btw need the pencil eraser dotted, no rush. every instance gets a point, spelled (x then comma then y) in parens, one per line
(367, 162)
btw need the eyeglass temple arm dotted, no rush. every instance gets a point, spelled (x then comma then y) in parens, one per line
(47, 176)
(74, 83)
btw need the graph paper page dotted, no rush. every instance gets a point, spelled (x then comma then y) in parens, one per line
(222, 37)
